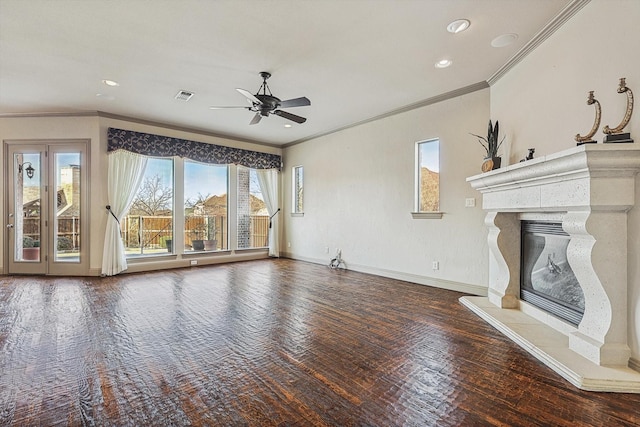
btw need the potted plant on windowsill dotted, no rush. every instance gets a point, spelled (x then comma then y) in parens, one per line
(198, 244)
(211, 244)
(491, 146)
(30, 249)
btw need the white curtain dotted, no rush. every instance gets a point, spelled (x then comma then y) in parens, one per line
(126, 170)
(268, 180)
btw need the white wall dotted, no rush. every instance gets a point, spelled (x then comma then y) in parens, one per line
(359, 194)
(541, 102)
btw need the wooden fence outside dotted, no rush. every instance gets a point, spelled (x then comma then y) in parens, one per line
(67, 227)
(152, 232)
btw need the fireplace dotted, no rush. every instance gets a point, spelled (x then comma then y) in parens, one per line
(546, 278)
(567, 214)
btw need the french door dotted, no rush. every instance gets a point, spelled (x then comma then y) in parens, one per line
(46, 208)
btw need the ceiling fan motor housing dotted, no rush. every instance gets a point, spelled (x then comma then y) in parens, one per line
(269, 103)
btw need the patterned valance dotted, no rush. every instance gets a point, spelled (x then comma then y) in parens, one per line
(163, 146)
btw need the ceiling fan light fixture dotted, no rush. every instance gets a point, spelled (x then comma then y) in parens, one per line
(458, 26)
(287, 125)
(111, 83)
(444, 63)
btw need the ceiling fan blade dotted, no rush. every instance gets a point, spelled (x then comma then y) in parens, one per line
(256, 119)
(295, 102)
(251, 97)
(290, 116)
(233, 106)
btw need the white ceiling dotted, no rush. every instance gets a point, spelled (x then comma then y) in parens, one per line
(354, 59)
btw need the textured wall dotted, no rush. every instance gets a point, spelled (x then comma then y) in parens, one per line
(359, 194)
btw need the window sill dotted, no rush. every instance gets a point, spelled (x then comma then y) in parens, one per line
(427, 215)
(297, 214)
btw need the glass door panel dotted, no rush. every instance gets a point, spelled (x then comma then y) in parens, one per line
(27, 210)
(27, 207)
(67, 200)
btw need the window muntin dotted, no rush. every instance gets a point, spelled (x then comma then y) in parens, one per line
(298, 189)
(428, 176)
(205, 206)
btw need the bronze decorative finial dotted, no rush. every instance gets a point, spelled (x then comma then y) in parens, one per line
(625, 121)
(587, 138)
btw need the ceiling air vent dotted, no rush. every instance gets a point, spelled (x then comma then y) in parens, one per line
(184, 95)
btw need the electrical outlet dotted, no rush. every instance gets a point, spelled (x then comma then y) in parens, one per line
(288, 244)
(470, 202)
(436, 265)
(194, 262)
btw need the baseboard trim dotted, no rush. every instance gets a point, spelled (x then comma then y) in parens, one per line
(164, 264)
(634, 364)
(407, 277)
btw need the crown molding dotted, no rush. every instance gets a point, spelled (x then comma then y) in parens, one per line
(106, 115)
(557, 22)
(429, 101)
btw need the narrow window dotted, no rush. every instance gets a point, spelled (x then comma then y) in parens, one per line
(298, 189)
(428, 176)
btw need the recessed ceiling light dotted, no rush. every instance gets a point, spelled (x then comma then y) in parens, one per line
(111, 83)
(443, 63)
(287, 125)
(458, 26)
(504, 40)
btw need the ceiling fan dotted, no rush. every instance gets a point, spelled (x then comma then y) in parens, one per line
(264, 103)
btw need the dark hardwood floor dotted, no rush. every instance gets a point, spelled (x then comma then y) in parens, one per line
(270, 343)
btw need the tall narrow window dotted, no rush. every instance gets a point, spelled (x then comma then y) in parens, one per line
(205, 206)
(147, 229)
(428, 176)
(298, 189)
(253, 218)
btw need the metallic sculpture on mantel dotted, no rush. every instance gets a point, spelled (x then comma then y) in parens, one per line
(596, 124)
(615, 134)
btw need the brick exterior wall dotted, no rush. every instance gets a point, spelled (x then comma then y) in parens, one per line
(244, 209)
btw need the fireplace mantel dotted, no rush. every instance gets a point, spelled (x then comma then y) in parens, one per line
(588, 189)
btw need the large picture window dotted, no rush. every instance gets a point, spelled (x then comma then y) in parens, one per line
(186, 197)
(428, 176)
(205, 206)
(147, 229)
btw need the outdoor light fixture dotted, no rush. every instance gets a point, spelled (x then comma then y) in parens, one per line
(29, 169)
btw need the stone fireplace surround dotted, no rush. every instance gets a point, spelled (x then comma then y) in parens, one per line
(588, 189)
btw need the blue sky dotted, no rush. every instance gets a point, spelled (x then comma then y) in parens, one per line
(430, 155)
(199, 178)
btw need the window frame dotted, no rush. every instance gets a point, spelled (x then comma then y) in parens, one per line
(417, 213)
(295, 199)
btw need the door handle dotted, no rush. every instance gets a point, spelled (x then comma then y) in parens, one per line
(9, 225)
